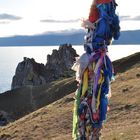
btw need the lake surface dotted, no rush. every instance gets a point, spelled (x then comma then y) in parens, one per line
(11, 56)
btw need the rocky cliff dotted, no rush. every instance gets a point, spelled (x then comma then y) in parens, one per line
(29, 72)
(60, 61)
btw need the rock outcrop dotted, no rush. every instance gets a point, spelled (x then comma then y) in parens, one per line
(29, 72)
(60, 61)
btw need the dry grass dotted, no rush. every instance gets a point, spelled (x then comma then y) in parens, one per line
(123, 119)
(54, 122)
(51, 122)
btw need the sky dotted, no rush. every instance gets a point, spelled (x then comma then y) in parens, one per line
(29, 17)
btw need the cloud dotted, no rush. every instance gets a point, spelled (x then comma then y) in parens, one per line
(4, 22)
(59, 21)
(9, 17)
(136, 18)
(123, 18)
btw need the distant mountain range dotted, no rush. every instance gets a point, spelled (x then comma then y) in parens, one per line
(74, 37)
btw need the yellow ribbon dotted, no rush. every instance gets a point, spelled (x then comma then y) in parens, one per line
(85, 82)
(101, 80)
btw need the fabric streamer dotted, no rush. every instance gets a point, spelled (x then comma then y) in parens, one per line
(94, 71)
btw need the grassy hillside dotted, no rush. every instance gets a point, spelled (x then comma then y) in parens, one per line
(127, 63)
(123, 118)
(54, 121)
(22, 101)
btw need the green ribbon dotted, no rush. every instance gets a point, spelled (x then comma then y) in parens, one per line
(75, 133)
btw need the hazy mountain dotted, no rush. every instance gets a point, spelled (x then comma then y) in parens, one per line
(75, 37)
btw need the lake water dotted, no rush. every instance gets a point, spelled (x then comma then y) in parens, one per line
(11, 56)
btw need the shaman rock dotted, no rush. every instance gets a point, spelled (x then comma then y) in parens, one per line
(61, 60)
(29, 72)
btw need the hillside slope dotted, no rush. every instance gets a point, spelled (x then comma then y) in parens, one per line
(22, 101)
(54, 121)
